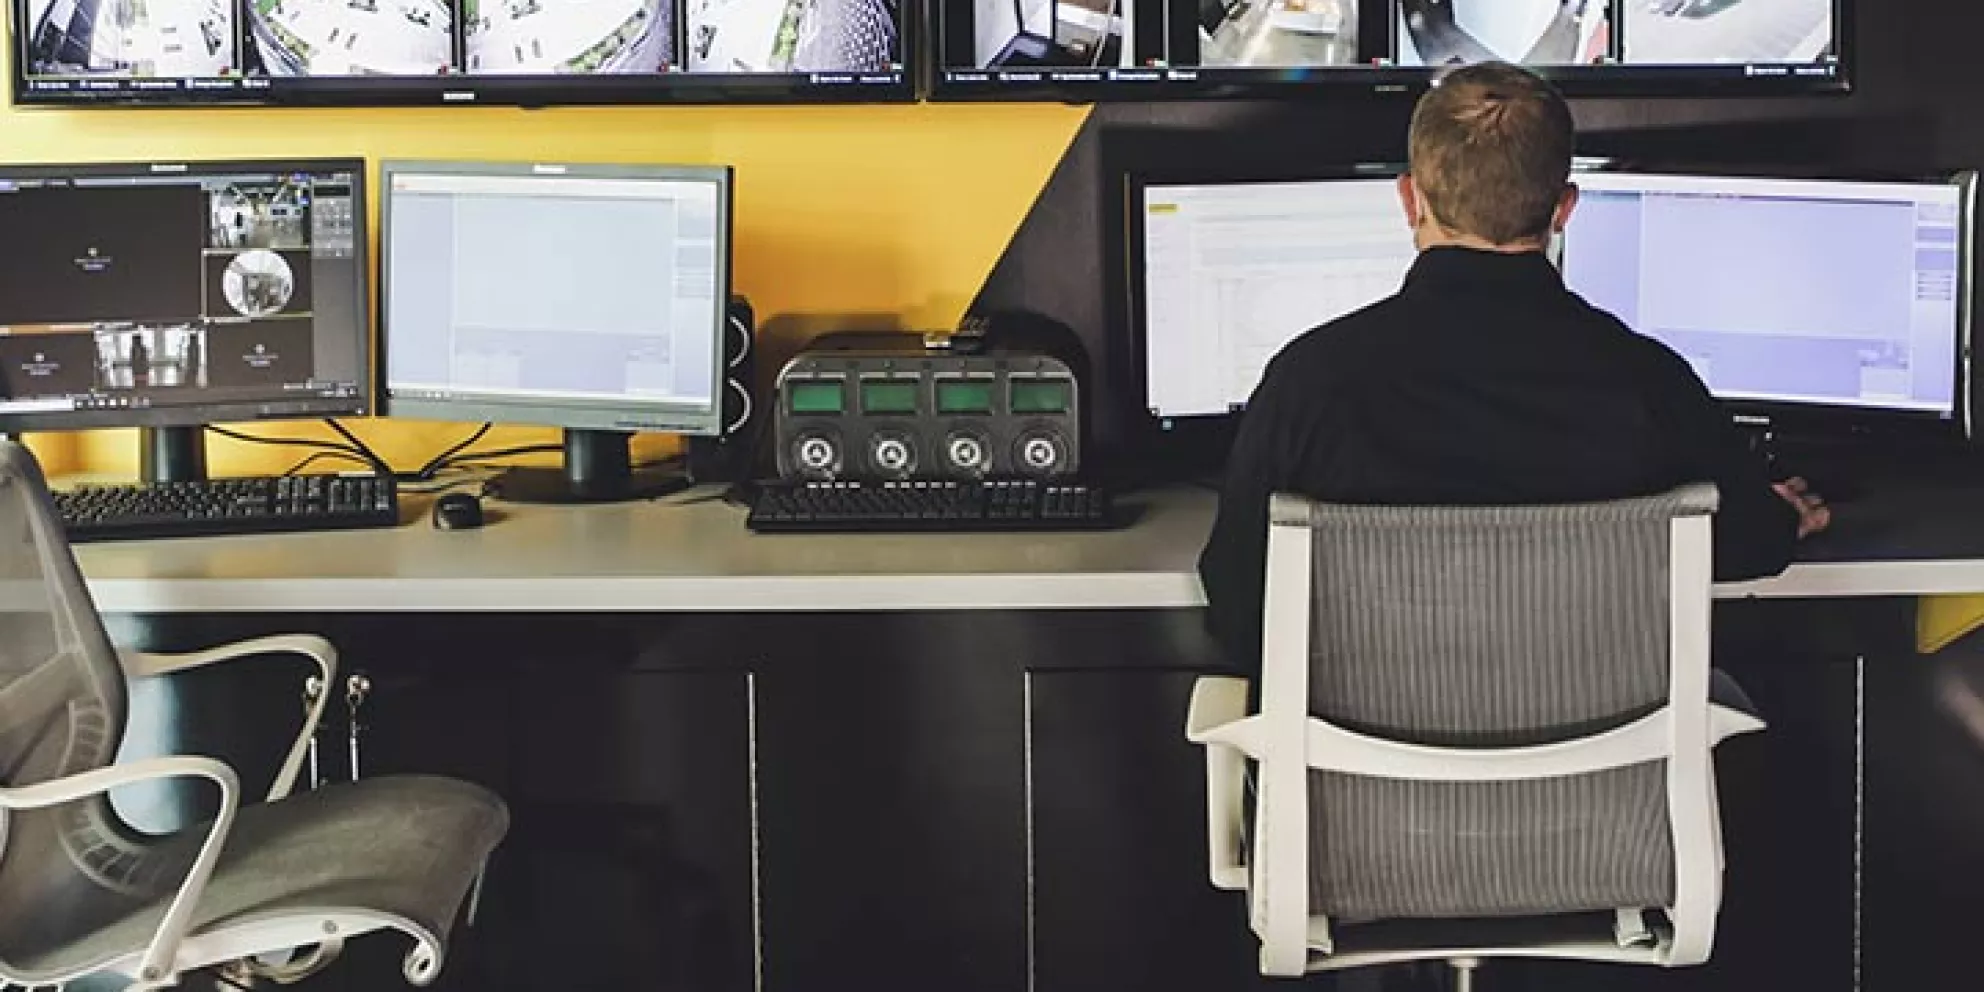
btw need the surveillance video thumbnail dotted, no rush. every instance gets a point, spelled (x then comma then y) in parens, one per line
(257, 284)
(600, 37)
(132, 357)
(131, 38)
(1532, 32)
(259, 353)
(273, 215)
(1039, 34)
(1278, 33)
(779, 36)
(102, 254)
(1692, 32)
(40, 362)
(349, 37)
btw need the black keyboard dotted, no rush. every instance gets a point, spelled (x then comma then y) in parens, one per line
(882, 507)
(228, 506)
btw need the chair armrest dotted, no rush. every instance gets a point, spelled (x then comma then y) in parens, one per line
(142, 664)
(158, 964)
(1219, 702)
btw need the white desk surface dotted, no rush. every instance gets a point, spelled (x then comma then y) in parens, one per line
(678, 556)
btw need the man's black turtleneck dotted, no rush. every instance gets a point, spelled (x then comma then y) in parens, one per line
(1482, 382)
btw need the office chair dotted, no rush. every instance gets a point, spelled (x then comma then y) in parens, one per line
(271, 890)
(1482, 733)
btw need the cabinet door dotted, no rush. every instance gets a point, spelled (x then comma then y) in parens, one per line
(629, 862)
(1121, 900)
(1924, 905)
(890, 796)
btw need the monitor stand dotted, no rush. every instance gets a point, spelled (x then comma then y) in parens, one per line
(172, 454)
(598, 469)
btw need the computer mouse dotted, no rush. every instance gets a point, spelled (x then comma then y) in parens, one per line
(457, 511)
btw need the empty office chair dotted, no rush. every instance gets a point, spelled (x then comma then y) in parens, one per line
(1482, 733)
(81, 893)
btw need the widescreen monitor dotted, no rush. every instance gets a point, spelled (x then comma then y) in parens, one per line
(176, 294)
(1225, 274)
(1799, 302)
(1147, 49)
(530, 52)
(586, 297)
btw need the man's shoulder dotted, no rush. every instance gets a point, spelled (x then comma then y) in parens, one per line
(1353, 332)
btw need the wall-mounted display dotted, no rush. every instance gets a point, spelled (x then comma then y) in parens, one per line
(529, 52)
(1154, 49)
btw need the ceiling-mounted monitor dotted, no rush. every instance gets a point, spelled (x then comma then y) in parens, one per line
(426, 52)
(1159, 49)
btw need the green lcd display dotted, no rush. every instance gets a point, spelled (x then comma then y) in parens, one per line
(815, 397)
(964, 397)
(888, 396)
(1041, 395)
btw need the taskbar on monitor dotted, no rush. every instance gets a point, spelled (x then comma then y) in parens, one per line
(1211, 82)
(167, 407)
(528, 91)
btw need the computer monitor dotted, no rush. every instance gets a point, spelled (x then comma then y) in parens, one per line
(1802, 303)
(587, 297)
(1224, 274)
(454, 52)
(1156, 49)
(170, 295)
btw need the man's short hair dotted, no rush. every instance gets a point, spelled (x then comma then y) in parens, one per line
(1491, 149)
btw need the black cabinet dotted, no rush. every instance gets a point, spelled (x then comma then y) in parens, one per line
(891, 777)
(1122, 902)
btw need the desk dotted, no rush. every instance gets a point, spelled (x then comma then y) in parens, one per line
(692, 555)
(800, 763)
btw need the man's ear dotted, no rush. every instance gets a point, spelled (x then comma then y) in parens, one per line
(1408, 199)
(1565, 205)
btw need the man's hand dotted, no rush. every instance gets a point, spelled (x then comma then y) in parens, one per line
(1813, 514)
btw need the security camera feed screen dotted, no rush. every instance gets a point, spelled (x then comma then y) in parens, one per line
(459, 51)
(139, 295)
(987, 48)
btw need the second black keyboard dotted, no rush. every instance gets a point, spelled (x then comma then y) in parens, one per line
(259, 505)
(883, 507)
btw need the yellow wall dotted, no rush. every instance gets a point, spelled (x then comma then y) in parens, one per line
(892, 209)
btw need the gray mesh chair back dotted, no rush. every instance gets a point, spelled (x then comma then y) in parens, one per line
(1496, 627)
(62, 700)
(1477, 727)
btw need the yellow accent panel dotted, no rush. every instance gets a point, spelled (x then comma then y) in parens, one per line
(898, 210)
(1941, 620)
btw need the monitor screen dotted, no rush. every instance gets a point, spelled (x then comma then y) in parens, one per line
(1134, 49)
(175, 294)
(1786, 292)
(531, 52)
(1231, 272)
(588, 297)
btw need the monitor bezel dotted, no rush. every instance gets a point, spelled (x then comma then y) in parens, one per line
(1831, 420)
(1340, 82)
(461, 89)
(619, 415)
(359, 404)
(1135, 337)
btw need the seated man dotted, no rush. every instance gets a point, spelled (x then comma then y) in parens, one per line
(1483, 381)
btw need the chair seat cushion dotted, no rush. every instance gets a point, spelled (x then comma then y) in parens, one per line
(406, 847)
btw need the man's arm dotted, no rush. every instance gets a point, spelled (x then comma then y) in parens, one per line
(1756, 529)
(1233, 566)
